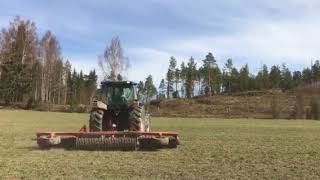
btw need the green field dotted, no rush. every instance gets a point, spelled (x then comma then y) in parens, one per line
(210, 149)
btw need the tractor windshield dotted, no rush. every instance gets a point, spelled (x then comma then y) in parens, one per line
(119, 95)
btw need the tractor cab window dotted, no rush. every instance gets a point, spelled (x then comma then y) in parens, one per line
(119, 95)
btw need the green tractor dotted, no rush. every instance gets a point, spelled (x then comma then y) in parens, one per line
(118, 121)
(119, 109)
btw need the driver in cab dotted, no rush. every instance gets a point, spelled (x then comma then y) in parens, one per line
(119, 96)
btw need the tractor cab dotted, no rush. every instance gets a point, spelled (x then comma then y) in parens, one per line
(119, 108)
(119, 94)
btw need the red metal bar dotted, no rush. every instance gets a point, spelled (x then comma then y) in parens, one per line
(108, 133)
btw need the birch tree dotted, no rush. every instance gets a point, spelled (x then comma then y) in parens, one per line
(113, 63)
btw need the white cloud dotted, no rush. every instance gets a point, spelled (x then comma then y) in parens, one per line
(269, 42)
(145, 61)
(293, 43)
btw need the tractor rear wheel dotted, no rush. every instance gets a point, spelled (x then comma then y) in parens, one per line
(96, 118)
(135, 118)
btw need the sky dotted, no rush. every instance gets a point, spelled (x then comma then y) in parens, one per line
(253, 32)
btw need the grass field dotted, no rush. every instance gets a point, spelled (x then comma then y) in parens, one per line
(211, 149)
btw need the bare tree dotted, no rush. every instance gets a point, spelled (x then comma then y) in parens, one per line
(113, 63)
(66, 80)
(19, 42)
(18, 53)
(50, 59)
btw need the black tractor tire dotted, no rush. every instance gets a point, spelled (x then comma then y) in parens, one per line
(96, 118)
(135, 118)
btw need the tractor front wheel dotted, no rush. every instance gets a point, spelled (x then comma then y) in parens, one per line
(95, 122)
(135, 118)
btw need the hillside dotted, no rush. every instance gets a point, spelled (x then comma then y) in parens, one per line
(267, 105)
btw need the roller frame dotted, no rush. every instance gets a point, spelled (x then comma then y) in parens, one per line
(144, 140)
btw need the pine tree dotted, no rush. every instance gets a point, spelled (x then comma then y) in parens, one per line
(176, 81)
(262, 79)
(244, 78)
(286, 79)
(74, 89)
(18, 57)
(80, 87)
(315, 72)
(15, 81)
(183, 77)
(297, 78)
(200, 74)
(68, 83)
(162, 89)
(226, 79)
(170, 75)
(150, 89)
(190, 77)
(209, 63)
(275, 77)
(307, 76)
(265, 77)
(216, 80)
(235, 80)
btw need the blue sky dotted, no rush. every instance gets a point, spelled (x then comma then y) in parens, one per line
(249, 31)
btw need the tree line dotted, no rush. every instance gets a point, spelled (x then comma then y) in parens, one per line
(208, 79)
(33, 70)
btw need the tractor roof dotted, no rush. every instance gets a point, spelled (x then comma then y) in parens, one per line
(110, 83)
